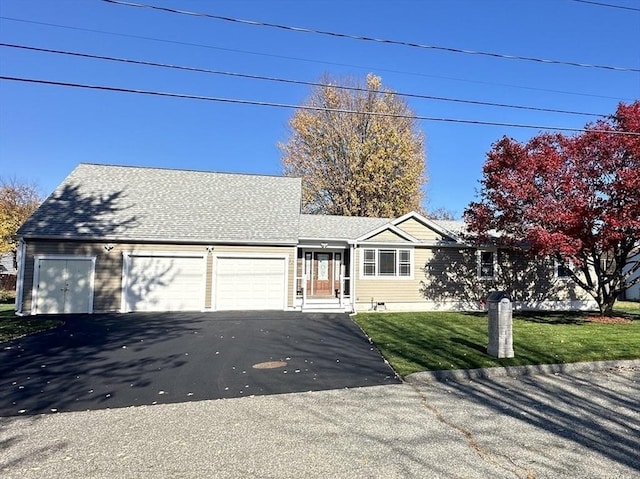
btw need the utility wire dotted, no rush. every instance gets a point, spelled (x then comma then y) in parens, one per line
(307, 107)
(608, 5)
(296, 82)
(370, 39)
(270, 55)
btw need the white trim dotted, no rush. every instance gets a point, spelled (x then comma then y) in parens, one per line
(21, 262)
(391, 227)
(417, 306)
(126, 267)
(556, 264)
(377, 276)
(308, 242)
(67, 257)
(318, 246)
(387, 244)
(352, 276)
(231, 255)
(167, 253)
(427, 222)
(163, 241)
(479, 252)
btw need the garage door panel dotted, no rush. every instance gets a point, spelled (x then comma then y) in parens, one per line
(250, 283)
(165, 283)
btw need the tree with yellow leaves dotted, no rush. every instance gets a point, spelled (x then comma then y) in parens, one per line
(357, 150)
(17, 202)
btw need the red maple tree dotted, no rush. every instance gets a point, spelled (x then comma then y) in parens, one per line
(573, 198)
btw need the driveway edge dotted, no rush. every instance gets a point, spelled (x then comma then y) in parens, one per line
(426, 377)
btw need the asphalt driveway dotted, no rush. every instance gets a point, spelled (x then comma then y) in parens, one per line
(105, 361)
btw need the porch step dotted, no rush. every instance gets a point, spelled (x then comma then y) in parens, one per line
(327, 306)
(326, 310)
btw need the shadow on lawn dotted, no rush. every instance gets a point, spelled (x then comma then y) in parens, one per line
(552, 317)
(478, 347)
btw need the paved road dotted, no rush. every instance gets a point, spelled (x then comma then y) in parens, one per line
(570, 425)
(118, 360)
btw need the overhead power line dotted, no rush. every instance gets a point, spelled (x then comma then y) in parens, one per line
(370, 39)
(608, 5)
(290, 81)
(309, 60)
(304, 107)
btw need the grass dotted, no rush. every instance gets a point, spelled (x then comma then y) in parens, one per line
(414, 342)
(629, 307)
(12, 326)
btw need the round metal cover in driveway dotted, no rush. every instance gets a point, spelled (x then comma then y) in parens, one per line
(270, 365)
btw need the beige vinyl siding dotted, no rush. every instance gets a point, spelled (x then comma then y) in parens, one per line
(108, 271)
(418, 230)
(397, 289)
(387, 236)
(443, 275)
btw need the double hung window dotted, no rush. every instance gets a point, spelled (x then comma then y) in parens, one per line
(487, 264)
(386, 262)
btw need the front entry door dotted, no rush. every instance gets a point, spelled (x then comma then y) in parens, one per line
(322, 274)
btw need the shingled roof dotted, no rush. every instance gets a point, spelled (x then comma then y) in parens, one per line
(135, 203)
(337, 227)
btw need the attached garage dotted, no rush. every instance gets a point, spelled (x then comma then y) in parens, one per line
(63, 284)
(155, 281)
(250, 283)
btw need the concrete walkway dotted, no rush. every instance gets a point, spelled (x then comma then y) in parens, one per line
(565, 425)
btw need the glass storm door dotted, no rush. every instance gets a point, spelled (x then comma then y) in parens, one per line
(322, 274)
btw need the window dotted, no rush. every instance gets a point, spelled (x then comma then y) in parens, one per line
(369, 262)
(386, 262)
(562, 270)
(405, 262)
(486, 264)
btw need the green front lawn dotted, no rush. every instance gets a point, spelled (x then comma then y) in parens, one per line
(629, 307)
(12, 326)
(414, 342)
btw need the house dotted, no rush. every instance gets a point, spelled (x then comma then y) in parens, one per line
(632, 293)
(7, 271)
(119, 238)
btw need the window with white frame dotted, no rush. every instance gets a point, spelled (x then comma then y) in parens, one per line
(487, 264)
(561, 270)
(386, 262)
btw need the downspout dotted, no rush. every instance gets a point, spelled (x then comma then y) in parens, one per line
(352, 275)
(20, 262)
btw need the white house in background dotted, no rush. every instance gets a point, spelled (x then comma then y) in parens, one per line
(7, 264)
(633, 292)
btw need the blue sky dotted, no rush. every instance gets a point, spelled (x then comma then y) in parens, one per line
(45, 131)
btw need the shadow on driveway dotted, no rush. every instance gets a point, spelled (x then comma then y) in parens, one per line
(117, 360)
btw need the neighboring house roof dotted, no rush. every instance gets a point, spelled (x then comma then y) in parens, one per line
(458, 228)
(134, 203)
(337, 227)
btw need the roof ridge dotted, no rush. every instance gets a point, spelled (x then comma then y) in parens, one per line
(186, 170)
(320, 215)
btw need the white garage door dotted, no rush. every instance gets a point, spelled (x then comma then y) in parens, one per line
(164, 283)
(250, 283)
(64, 285)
